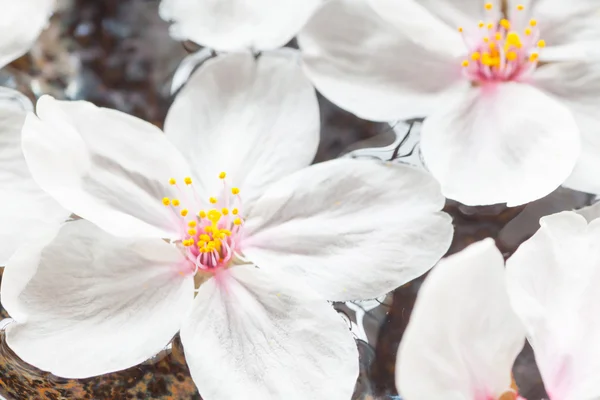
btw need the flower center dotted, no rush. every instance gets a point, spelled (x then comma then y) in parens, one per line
(209, 237)
(502, 50)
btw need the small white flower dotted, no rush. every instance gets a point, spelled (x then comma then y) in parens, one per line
(231, 25)
(506, 87)
(471, 317)
(223, 202)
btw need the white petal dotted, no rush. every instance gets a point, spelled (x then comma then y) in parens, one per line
(353, 229)
(509, 143)
(591, 212)
(257, 120)
(25, 207)
(553, 281)
(458, 13)
(86, 303)
(237, 24)
(21, 22)
(374, 69)
(577, 85)
(463, 337)
(258, 334)
(108, 167)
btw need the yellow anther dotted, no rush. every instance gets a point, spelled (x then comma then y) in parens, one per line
(476, 56)
(225, 211)
(235, 190)
(541, 44)
(489, 6)
(460, 29)
(481, 24)
(492, 45)
(511, 56)
(208, 229)
(204, 237)
(187, 180)
(237, 221)
(520, 7)
(214, 215)
(202, 214)
(213, 200)
(498, 37)
(534, 57)
(505, 24)
(513, 39)
(235, 211)
(486, 39)
(166, 201)
(222, 175)
(226, 232)
(533, 22)
(192, 232)
(527, 31)
(490, 26)
(465, 63)
(172, 181)
(175, 202)
(183, 212)
(192, 224)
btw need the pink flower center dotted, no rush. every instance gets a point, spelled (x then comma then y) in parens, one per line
(502, 50)
(210, 236)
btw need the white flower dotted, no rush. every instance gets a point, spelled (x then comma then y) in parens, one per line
(223, 201)
(21, 22)
(231, 25)
(506, 86)
(26, 209)
(463, 335)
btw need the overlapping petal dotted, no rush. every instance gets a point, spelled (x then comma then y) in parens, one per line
(577, 86)
(353, 229)
(256, 119)
(463, 337)
(553, 283)
(508, 143)
(21, 22)
(260, 334)
(237, 24)
(104, 165)
(26, 208)
(372, 67)
(87, 303)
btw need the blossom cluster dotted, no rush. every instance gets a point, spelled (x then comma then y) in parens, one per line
(118, 235)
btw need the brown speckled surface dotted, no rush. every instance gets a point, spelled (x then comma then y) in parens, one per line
(117, 53)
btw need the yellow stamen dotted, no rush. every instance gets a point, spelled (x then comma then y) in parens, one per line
(187, 180)
(202, 214)
(490, 26)
(227, 232)
(486, 39)
(533, 22)
(213, 200)
(476, 56)
(513, 39)
(492, 45)
(192, 232)
(534, 57)
(175, 202)
(192, 224)
(520, 7)
(511, 56)
(166, 201)
(225, 211)
(172, 181)
(235, 211)
(481, 24)
(465, 63)
(460, 29)
(505, 24)
(183, 212)
(222, 175)
(527, 31)
(489, 6)
(235, 190)
(237, 221)
(541, 43)
(214, 215)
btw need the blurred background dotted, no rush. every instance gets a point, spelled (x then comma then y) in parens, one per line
(118, 54)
